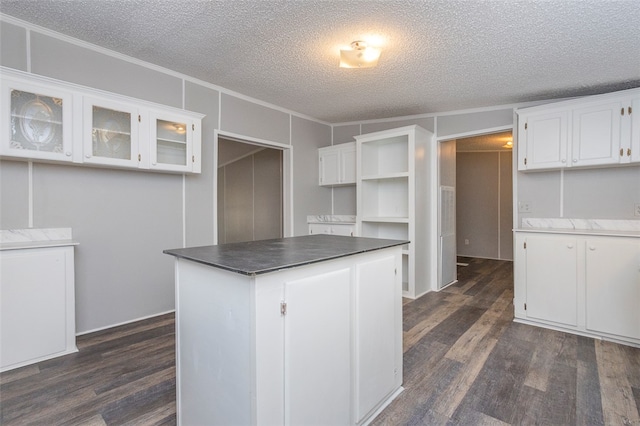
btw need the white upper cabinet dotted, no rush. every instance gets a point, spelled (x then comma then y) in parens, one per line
(544, 139)
(36, 121)
(634, 155)
(49, 120)
(596, 134)
(597, 131)
(171, 142)
(110, 133)
(337, 165)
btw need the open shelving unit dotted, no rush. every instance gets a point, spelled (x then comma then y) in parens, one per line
(392, 197)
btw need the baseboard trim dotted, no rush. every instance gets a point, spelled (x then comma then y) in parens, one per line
(124, 323)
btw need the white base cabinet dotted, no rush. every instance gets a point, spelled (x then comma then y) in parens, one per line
(333, 228)
(581, 283)
(317, 344)
(37, 305)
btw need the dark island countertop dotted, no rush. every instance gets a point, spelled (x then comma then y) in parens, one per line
(261, 257)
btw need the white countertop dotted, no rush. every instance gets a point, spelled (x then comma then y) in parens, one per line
(331, 218)
(14, 239)
(596, 227)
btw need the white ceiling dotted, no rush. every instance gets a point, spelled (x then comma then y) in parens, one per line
(439, 55)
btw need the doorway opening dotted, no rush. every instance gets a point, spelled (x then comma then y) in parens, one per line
(250, 190)
(476, 201)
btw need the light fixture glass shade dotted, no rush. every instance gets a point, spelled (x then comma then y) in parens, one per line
(359, 56)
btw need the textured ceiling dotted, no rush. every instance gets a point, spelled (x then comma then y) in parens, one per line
(437, 55)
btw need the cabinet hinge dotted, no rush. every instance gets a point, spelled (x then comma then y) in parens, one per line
(193, 127)
(628, 152)
(139, 157)
(630, 110)
(139, 118)
(621, 152)
(526, 125)
(525, 244)
(525, 306)
(193, 158)
(395, 271)
(621, 111)
(283, 308)
(525, 161)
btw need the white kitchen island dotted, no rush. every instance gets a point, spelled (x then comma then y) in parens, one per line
(295, 331)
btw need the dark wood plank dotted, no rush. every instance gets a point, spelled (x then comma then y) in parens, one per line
(465, 363)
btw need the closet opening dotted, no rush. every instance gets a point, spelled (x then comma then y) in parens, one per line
(475, 201)
(251, 192)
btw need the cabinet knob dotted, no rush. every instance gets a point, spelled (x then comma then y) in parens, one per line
(575, 160)
(88, 155)
(592, 248)
(564, 160)
(68, 154)
(570, 246)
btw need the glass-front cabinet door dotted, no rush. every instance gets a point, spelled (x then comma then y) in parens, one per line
(36, 121)
(110, 134)
(171, 142)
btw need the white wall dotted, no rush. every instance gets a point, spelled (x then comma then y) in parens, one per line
(124, 219)
(484, 202)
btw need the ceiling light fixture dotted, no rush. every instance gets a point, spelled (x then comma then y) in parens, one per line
(361, 55)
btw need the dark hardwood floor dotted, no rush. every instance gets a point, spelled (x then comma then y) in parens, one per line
(465, 363)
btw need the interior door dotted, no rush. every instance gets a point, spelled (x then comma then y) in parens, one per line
(447, 250)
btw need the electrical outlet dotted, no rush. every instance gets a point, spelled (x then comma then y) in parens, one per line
(466, 242)
(636, 209)
(524, 207)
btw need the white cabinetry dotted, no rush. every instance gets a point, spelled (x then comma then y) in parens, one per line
(579, 282)
(635, 131)
(37, 311)
(316, 344)
(110, 133)
(542, 140)
(613, 286)
(49, 120)
(337, 165)
(595, 131)
(596, 134)
(36, 121)
(551, 278)
(393, 196)
(333, 228)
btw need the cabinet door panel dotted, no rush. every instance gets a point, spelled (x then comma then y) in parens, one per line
(346, 230)
(329, 166)
(33, 310)
(551, 276)
(171, 142)
(348, 165)
(36, 121)
(613, 286)
(375, 331)
(596, 134)
(319, 228)
(318, 350)
(110, 133)
(546, 137)
(635, 132)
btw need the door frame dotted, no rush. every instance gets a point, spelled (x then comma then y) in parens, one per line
(436, 189)
(287, 177)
